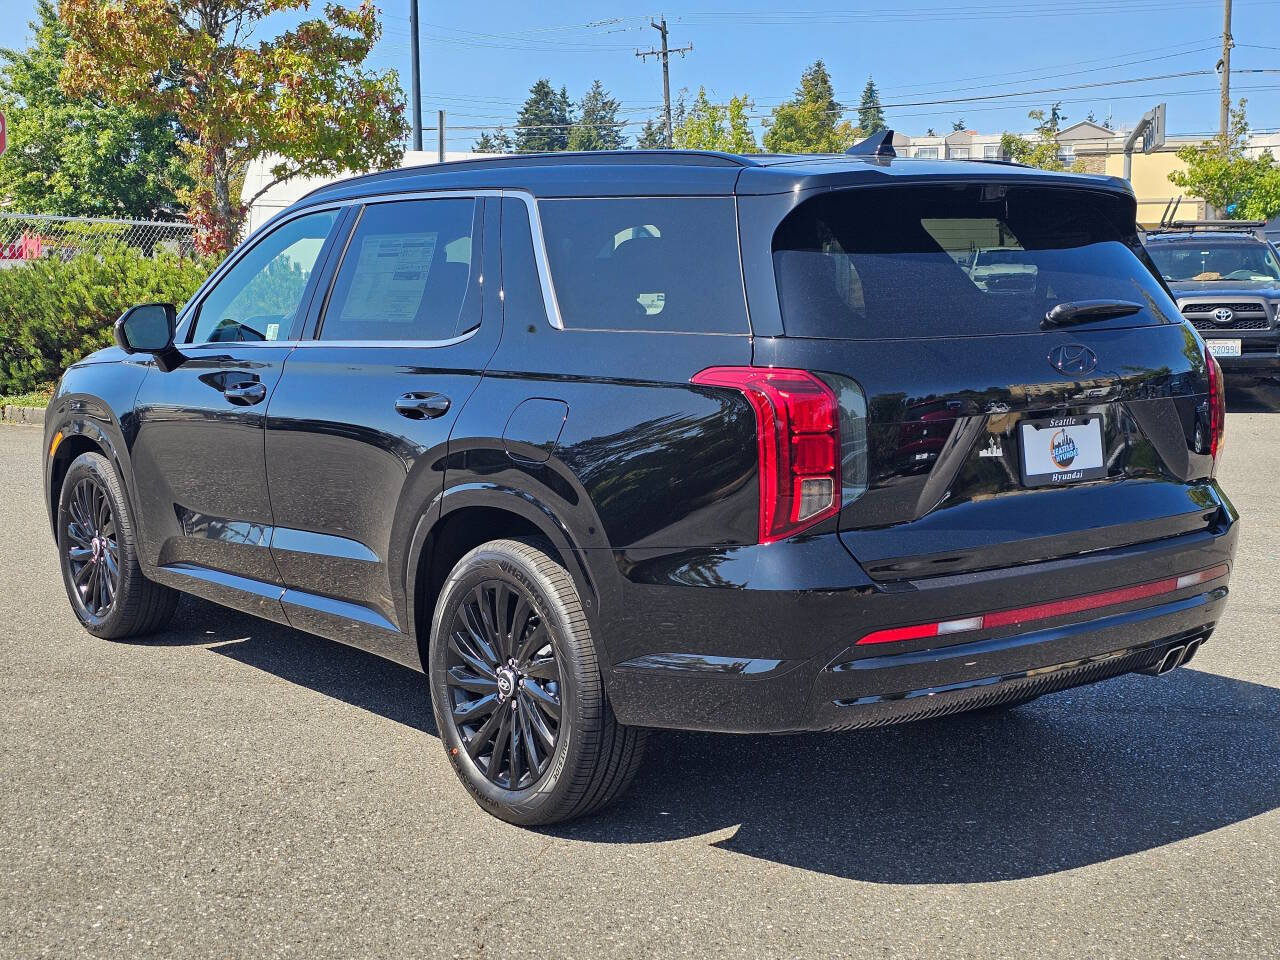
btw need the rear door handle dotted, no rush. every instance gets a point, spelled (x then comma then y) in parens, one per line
(245, 393)
(422, 406)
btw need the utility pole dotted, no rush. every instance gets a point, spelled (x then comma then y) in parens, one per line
(665, 55)
(440, 134)
(416, 78)
(1224, 109)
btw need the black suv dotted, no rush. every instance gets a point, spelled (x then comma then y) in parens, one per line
(1225, 276)
(605, 442)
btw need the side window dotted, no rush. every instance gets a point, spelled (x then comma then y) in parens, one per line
(668, 264)
(259, 296)
(406, 273)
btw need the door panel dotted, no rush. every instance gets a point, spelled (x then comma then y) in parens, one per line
(198, 453)
(358, 428)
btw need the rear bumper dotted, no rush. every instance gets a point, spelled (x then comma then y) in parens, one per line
(748, 660)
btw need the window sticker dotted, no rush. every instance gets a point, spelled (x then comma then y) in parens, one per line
(273, 331)
(390, 278)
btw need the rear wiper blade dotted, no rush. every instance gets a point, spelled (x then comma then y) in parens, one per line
(1087, 311)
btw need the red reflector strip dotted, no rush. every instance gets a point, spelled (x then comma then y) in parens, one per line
(1047, 611)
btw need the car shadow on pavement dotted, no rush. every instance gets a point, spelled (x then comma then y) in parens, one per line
(1076, 778)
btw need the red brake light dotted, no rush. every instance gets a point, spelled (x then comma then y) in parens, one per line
(1217, 406)
(798, 440)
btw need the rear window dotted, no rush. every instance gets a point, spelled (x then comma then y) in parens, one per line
(956, 261)
(668, 264)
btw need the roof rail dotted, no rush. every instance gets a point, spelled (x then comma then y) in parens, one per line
(1256, 227)
(879, 144)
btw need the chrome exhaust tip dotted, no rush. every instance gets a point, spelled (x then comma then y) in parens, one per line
(1192, 649)
(1172, 657)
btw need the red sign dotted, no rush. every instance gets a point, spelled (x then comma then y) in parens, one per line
(4, 140)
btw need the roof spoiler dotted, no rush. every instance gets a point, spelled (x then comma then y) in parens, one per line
(879, 144)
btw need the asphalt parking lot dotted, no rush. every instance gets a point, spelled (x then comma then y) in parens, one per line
(232, 788)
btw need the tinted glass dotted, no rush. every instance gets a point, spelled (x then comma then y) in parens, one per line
(405, 274)
(1215, 261)
(931, 262)
(646, 264)
(259, 297)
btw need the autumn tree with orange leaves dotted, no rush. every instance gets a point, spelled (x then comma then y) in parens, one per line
(303, 97)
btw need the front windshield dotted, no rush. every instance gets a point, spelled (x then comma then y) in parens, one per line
(1215, 261)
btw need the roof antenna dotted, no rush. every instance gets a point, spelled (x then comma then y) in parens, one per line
(879, 144)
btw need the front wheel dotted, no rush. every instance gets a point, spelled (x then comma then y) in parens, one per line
(517, 692)
(98, 552)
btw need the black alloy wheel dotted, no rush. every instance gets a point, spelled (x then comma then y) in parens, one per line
(98, 553)
(92, 548)
(504, 684)
(517, 691)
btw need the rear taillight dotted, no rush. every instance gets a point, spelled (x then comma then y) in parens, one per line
(798, 439)
(1217, 406)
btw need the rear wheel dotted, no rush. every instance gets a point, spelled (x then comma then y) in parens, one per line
(98, 551)
(517, 692)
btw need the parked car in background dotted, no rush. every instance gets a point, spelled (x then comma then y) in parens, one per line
(1226, 278)
(606, 442)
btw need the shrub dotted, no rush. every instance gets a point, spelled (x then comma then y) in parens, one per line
(54, 311)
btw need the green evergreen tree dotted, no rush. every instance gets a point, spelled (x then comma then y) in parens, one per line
(79, 156)
(652, 136)
(810, 121)
(497, 142)
(870, 113)
(544, 120)
(597, 127)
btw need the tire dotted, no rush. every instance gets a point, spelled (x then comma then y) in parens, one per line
(477, 691)
(98, 554)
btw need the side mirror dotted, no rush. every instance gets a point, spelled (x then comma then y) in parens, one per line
(149, 328)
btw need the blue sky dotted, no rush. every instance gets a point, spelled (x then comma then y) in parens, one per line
(478, 59)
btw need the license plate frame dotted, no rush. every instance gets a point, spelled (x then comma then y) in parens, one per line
(1224, 346)
(1048, 461)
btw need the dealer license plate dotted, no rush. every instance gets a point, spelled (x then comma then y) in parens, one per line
(1062, 450)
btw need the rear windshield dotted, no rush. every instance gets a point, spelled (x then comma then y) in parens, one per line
(653, 263)
(957, 261)
(1202, 261)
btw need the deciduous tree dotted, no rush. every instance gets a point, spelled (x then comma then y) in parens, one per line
(1041, 150)
(1221, 172)
(712, 126)
(303, 97)
(80, 156)
(810, 121)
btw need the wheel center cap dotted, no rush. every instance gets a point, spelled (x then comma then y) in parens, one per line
(96, 546)
(506, 682)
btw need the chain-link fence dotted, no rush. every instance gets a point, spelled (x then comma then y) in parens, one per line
(26, 237)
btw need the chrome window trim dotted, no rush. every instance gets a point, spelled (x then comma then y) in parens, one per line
(460, 338)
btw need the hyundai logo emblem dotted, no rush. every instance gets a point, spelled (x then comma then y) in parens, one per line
(1223, 315)
(1073, 359)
